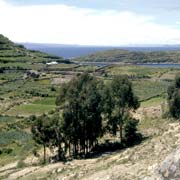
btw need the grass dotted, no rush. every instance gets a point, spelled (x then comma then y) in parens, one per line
(19, 151)
(7, 119)
(61, 66)
(146, 89)
(29, 109)
(153, 126)
(136, 71)
(46, 101)
(153, 102)
(87, 68)
(44, 81)
(9, 137)
(37, 107)
(15, 141)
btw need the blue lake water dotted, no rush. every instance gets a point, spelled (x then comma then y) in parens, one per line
(153, 65)
(161, 65)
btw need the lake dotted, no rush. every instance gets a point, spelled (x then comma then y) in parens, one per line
(159, 65)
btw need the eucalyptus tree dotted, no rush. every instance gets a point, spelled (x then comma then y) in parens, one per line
(58, 134)
(42, 131)
(174, 98)
(119, 101)
(81, 103)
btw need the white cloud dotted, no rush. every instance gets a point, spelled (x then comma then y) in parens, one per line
(71, 25)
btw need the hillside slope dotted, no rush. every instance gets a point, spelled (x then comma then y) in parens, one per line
(15, 56)
(118, 55)
(138, 162)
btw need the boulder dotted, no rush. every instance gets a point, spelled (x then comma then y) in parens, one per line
(169, 169)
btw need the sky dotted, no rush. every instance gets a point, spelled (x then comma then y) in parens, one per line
(91, 22)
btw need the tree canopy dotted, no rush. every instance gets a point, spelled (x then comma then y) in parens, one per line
(174, 98)
(87, 109)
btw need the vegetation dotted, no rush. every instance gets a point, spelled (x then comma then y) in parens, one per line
(174, 98)
(42, 132)
(83, 107)
(118, 55)
(13, 53)
(86, 120)
(119, 100)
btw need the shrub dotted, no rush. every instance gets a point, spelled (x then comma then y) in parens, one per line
(21, 164)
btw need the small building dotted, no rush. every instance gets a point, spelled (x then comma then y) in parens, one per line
(52, 63)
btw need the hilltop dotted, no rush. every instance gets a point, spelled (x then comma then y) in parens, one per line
(125, 56)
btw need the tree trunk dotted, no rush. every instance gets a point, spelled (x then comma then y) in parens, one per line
(69, 148)
(59, 152)
(121, 115)
(44, 153)
(120, 131)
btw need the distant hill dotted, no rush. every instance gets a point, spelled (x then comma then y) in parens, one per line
(126, 56)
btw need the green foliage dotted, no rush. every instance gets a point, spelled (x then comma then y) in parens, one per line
(118, 55)
(13, 136)
(82, 121)
(21, 164)
(174, 98)
(43, 133)
(6, 119)
(147, 89)
(130, 131)
(85, 102)
(119, 99)
(6, 151)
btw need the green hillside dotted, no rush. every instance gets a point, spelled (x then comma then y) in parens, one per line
(14, 56)
(118, 55)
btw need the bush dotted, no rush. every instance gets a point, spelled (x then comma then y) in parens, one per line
(21, 164)
(130, 131)
(32, 118)
(6, 151)
(53, 88)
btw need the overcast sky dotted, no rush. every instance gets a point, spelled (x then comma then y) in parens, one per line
(91, 22)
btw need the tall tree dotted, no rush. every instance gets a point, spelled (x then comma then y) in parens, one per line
(174, 98)
(81, 112)
(43, 132)
(57, 134)
(123, 99)
(130, 131)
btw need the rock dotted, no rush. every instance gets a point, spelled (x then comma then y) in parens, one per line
(169, 169)
(59, 170)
